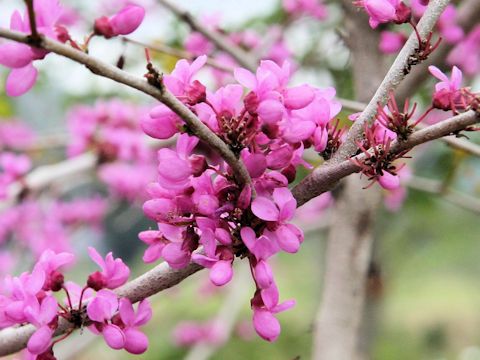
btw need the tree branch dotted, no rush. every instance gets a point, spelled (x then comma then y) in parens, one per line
(157, 279)
(468, 14)
(220, 41)
(324, 178)
(42, 176)
(163, 95)
(394, 76)
(178, 53)
(456, 143)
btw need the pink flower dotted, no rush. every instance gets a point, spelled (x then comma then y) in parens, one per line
(391, 42)
(265, 305)
(280, 210)
(114, 272)
(181, 78)
(175, 167)
(220, 265)
(51, 262)
(389, 181)
(124, 22)
(262, 248)
(161, 123)
(41, 315)
(20, 290)
(171, 242)
(447, 93)
(135, 341)
(19, 57)
(385, 11)
(102, 309)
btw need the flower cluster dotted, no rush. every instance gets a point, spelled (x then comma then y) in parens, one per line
(51, 19)
(197, 201)
(385, 11)
(449, 95)
(112, 130)
(19, 57)
(30, 298)
(377, 162)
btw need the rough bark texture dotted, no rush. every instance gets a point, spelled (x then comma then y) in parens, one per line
(351, 236)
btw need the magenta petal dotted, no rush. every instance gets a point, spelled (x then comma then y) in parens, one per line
(287, 240)
(175, 256)
(283, 198)
(265, 209)
(136, 341)
(389, 181)
(40, 340)
(270, 296)
(114, 336)
(256, 164)
(14, 55)
(266, 325)
(270, 111)
(284, 306)
(19, 81)
(245, 77)
(263, 274)
(298, 97)
(221, 273)
(153, 252)
(126, 312)
(205, 261)
(435, 71)
(248, 237)
(163, 126)
(144, 313)
(127, 20)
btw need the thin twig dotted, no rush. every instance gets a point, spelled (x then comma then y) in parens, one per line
(178, 53)
(34, 36)
(453, 196)
(45, 175)
(394, 76)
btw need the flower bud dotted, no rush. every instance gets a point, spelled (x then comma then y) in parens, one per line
(103, 27)
(198, 164)
(96, 281)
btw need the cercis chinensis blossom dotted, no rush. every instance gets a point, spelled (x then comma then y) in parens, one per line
(206, 212)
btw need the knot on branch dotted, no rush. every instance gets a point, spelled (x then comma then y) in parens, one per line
(154, 77)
